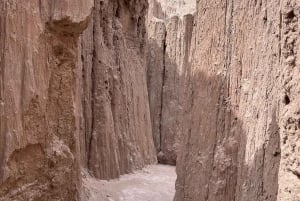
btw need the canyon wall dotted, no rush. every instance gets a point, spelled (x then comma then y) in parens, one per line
(39, 139)
(168, 47)
(116, 126)
(242, 120)
(165, 9)
(73, 95)
(223, 95)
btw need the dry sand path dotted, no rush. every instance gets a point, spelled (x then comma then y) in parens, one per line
(154, 183)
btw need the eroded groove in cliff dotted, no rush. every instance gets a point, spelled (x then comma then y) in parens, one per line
(94, 60)
(162, 91)
(118, 142)
(2, 80)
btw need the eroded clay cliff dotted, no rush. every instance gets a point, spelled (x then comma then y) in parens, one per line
(223, 95)
(39, 140)
(169, 39)
(71, 100)
(242, 120)
(117, 135)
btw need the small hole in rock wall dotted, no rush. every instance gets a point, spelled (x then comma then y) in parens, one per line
(286, 100)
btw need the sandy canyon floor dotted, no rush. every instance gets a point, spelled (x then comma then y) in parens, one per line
(154, 183)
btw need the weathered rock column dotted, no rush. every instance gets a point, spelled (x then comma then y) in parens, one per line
(169, 40)
(117, 135)
(39, 142)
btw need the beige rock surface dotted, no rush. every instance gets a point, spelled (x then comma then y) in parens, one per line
(39, 142)
(177, 46)
(242, 134)
(168, 48)
(71, 101)
(117, 135)
(166, 9)
(155, 75)
(223, 94)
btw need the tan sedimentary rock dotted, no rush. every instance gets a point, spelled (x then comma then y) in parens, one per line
(242, 123)
(155, 74)
(168, 47)
(177, 46)
(166, 9)
(226, 96)
(39, 141)
(70, 100)
(180, 8)
(155, 10)
(116, 126)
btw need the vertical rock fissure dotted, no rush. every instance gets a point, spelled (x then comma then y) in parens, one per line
(170, 25)
(92, 97)
(162, 91)
(280, 36)
(228, 38)
(2, 65)
(262, 172)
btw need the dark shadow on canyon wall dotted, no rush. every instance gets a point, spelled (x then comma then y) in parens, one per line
(166, 80)
(217, 157)
(213, 164)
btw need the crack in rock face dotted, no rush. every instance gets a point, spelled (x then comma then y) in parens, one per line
(169, 40)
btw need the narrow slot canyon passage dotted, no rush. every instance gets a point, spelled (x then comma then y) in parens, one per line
(169, 26)
(169, 30)
(153, 183)
(149, 100)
